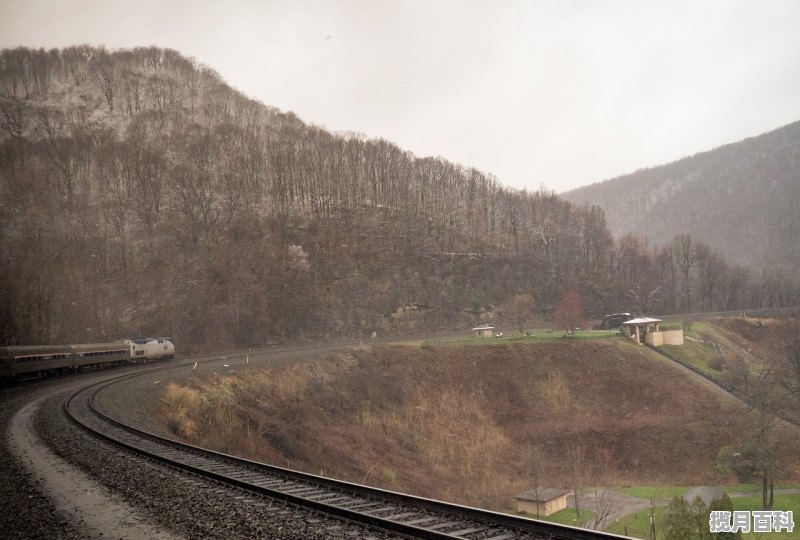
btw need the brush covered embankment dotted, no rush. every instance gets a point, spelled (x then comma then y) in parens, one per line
(467, 424)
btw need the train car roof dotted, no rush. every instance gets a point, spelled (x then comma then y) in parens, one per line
(82, 347)
(35, 350)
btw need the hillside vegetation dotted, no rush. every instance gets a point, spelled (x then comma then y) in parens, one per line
(469, 424)
(140, 194)
(742, 198)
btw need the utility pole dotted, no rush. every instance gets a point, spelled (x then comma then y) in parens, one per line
(652, 520)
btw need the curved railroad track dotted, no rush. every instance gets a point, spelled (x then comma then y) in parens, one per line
(399, 514)
(731, 389)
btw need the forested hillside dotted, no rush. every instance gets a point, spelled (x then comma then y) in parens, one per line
(140, 194)
(743, 198)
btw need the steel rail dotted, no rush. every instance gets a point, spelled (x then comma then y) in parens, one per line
(406, 515)
(731, 389)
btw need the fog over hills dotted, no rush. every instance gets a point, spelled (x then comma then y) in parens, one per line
(742, 198)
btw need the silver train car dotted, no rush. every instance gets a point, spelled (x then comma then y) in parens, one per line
(32, 361)
(144, 350)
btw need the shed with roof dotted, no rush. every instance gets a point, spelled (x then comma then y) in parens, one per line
(639, 328)
(483, 331)
(542, 502)
(646, 330)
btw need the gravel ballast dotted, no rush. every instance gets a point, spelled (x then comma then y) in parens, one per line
(176, 502)
(28, 512)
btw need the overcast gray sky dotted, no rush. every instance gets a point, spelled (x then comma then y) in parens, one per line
(561, 93)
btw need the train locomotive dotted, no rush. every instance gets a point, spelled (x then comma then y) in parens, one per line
(31, 361)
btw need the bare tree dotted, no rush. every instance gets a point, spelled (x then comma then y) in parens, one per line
(578, 471)
(685, 256)
(605, 505)
(767, 444)
(534, 464)
(645, 301)
(792, 354)
(519, 310)
(15, 118)
(103, 72)
(568, 314)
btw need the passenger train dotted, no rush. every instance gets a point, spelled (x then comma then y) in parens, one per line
(29, 361)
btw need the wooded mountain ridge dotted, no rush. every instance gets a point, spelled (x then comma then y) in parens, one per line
(140, 194)
(741, 198)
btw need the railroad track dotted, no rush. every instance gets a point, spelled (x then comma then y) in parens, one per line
(404, 515)
(731, 389)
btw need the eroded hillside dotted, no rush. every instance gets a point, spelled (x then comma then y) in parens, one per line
(469, 424)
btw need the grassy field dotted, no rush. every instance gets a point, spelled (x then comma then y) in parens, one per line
(783, 503)
(532, 337)
(654, 492)
(696, 350)
(637, 525)
(565, 517)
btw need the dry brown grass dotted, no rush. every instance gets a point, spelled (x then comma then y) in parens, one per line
(460, 423)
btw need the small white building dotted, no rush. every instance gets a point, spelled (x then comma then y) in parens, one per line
(646, 330)
(483, 331)
(638, 328)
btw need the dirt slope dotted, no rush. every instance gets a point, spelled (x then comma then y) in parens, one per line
(466, 423)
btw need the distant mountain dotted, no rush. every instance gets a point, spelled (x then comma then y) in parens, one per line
(743, 199)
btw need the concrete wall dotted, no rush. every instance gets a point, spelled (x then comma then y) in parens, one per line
(669, 337)
(656, 339)
(673, 337)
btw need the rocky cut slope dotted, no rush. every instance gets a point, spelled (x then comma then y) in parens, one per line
(742, 198)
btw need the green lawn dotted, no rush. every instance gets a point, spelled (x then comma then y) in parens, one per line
(667, 492)
(638, 524)
(536, 336)
(566, 517)
(783, 503)
(654, 492)
(755, 489)
(696, 353)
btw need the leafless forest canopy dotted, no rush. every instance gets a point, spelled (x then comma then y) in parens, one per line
(140, 194)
